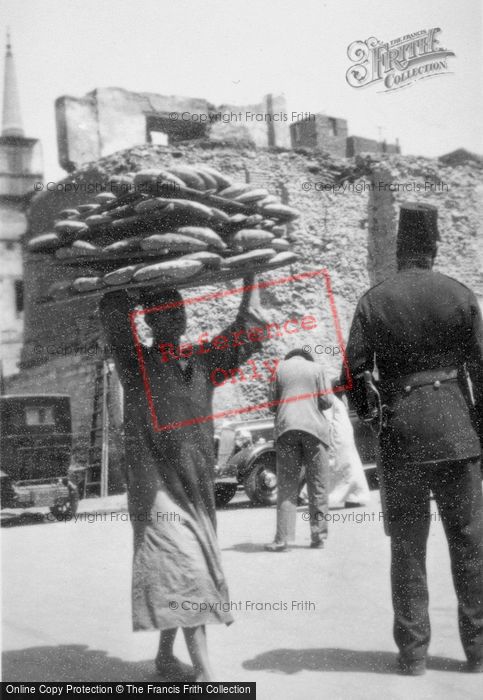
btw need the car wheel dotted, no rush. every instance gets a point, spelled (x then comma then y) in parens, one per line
(261, 482)
(69, 508)
(224, 493)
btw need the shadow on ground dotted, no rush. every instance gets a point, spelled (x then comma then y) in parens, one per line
(73, 662)
(16, 519)
(339, 660)
(254, 547)
(79, 663)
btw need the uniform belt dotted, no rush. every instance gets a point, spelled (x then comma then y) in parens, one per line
(427, 377)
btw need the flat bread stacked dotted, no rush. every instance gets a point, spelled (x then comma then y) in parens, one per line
(186, 226)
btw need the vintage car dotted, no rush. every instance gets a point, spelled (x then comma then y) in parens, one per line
(246, 456)
(36, 452)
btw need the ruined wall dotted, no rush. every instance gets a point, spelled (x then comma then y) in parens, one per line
(456, 191)
(320, 132)
(329, 134)
(330, 222)
(359, 144)
(107, 120)
(348, 226)
(390, 148)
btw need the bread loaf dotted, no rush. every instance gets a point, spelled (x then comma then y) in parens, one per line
(127, 245)
(252, 196)
(121, 276)
(280, 244)
(46, 243)
(189, 176)
(210, 260)
(209, 181)
(235, 190)
(279, 211)
(222, 181)
(248, 239)
(246, 259)
(172, 242)
(105, 198)
(68, 230)
(87, 284)
(78, 249)
(201, 233)
(169, 271)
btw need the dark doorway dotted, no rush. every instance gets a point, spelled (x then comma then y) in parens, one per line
(163, 129)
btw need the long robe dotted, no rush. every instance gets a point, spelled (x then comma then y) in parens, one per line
(347, 481)
(178, 579)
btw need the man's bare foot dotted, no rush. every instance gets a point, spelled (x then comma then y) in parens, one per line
(172, 669)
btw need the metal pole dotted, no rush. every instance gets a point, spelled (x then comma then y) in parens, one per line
(105, 431)
(2, 379)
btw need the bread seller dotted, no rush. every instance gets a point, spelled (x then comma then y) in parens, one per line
(423, 331)
(178, 579)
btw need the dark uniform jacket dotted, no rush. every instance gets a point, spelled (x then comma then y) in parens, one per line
(415, 321)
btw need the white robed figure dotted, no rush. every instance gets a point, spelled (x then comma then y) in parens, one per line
(347, 480)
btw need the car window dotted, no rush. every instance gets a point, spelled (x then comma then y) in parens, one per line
(39, 415)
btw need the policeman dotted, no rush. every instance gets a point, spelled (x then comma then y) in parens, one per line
(422, 332)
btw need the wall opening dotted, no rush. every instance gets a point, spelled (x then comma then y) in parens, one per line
(158, 138)
(332, 126)
(164, 129)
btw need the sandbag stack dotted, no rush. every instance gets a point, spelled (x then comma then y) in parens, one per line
(189, 225)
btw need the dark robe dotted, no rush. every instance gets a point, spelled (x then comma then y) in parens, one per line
(178, 579)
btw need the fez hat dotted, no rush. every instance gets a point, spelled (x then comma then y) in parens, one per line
(418, 229)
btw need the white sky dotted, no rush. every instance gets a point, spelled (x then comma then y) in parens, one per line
(232, 51)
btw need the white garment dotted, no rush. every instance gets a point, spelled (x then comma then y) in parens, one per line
(348, 481)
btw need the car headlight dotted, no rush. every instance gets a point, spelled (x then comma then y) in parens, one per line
(243, 439)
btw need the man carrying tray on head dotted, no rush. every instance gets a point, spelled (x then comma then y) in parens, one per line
(178, 579)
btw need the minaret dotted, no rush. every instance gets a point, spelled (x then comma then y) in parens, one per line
(20, 168)
(20, 157)
(11, 119)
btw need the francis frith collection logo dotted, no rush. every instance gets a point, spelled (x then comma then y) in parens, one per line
(397, 63)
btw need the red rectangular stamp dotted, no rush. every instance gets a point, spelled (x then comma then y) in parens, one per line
(252, 369)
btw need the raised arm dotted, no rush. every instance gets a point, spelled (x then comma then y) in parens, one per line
(250, 304)
(114, 310)
(242, 337)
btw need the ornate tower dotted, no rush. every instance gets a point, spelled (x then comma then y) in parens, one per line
(20, 167)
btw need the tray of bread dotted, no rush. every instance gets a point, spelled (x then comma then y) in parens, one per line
(188, 226)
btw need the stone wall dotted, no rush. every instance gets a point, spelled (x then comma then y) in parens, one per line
(348, 226)
(356, 145)
(11, 317)
(107, 120)
(320, 132)
(330, 222)
(329, 135)
(456, 191)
